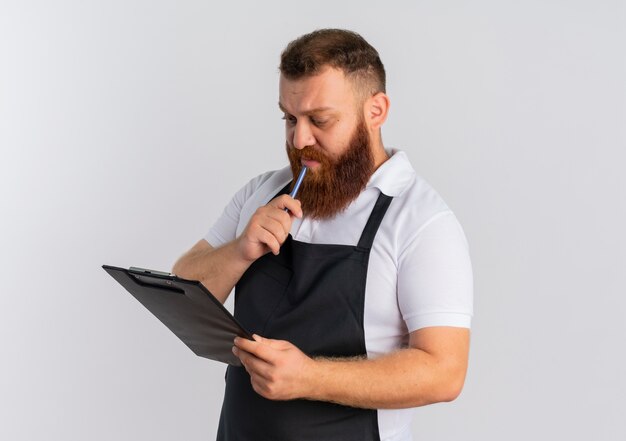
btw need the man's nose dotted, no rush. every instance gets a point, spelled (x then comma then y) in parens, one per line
(302, 136)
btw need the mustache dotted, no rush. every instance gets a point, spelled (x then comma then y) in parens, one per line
(310, 153)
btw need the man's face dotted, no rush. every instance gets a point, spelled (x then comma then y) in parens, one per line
(325, 130)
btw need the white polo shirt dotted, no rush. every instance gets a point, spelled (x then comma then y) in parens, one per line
(419, 272)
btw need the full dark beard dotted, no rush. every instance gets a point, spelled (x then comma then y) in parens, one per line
(330, 188)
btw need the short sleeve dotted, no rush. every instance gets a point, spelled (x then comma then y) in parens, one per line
(224, 229)
(435, 280)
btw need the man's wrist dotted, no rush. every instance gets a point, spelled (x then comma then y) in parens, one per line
(240, 262)
(313, 379)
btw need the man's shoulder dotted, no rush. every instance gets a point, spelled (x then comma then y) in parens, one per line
(412, 192)
(421, 195)
(415, 205)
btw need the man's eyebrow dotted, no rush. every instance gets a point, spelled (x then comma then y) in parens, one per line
(308, 112)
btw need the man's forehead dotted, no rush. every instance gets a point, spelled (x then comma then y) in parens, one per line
(325, 92)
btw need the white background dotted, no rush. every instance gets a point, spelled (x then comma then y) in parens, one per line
(126, 126)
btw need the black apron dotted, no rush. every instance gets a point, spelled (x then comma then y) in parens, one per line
(312, 295)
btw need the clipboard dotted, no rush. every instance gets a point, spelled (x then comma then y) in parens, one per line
(187, 308)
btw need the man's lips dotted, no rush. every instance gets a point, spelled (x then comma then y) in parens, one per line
(309, 162)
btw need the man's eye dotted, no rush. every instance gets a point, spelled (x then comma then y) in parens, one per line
(318, 122)
(289, 119)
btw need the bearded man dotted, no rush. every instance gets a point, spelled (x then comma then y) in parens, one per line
(359, 291)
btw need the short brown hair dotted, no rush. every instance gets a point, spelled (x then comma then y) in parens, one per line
(309, 54)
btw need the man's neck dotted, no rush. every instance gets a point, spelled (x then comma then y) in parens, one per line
(380, 155)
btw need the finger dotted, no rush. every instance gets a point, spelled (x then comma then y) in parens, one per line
(276, 221)
(286, 201)
(266, 237)
(281, 216)
(259, 386)
(279, 228)
(260, 350)
(254, 365)
(276, 344)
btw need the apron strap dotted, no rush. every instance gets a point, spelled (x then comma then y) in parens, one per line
(285, 190)
(376, 217)
(378, 212)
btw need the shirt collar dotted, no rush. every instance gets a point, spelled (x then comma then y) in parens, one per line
(393, 175)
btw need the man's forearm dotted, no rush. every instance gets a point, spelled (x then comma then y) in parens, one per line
(406, 378)
(218, 269)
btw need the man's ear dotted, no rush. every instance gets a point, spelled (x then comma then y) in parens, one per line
(376, 110)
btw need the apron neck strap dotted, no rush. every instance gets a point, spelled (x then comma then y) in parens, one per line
(378, 212)
(371, 227)
(285, 189)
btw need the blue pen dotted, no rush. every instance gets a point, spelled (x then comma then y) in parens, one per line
(296, 187)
